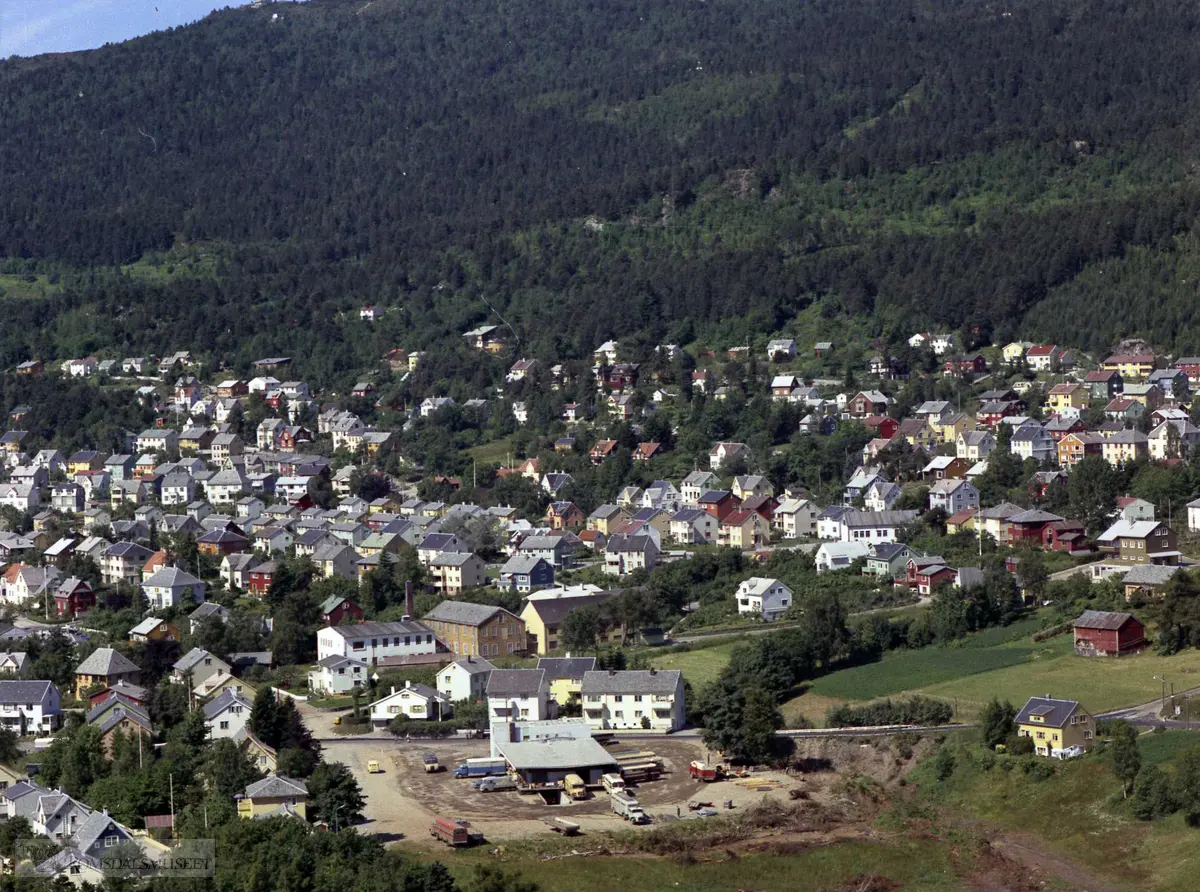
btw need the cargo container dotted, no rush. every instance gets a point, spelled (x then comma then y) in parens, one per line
(481, 768)
(495, 784)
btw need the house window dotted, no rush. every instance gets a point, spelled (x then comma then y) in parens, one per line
(620, 714)
(109, 842)
(224, 726)
(617, 698)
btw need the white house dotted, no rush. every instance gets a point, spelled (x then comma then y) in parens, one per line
(649, 700)
(372, 642)
(953, 495)
(417, 701)
(881, 496)
(227, 715)
(197, 665)
(695, 485)
(465, 679)
(974, 445)
(1033, 441)
(171, 586)
(335, 675)
(795, 518)
(518, 694)
(839, 555)
(1193, 515)
(873, 526)
(29, 707)
(768, 598)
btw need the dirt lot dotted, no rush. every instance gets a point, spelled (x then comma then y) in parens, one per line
(403, 800)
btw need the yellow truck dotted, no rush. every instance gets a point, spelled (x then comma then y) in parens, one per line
(575, 787)
(373, 767)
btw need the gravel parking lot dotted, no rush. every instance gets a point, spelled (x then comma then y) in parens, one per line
(403, 800)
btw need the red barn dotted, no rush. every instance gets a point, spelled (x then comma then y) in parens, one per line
(1099, 633)
(260, 578)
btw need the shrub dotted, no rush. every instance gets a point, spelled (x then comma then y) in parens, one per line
(944, 764)
(914, 710)
(1153, 796)
(1020, 746)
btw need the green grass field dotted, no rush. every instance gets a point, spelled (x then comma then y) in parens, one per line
(910, 863)
(700, 666)
(26, 289)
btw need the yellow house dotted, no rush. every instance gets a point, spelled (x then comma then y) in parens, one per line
(1130, 365)
(607, 518)
(743, 530)
(952, 425)
(1066, 396)
(543, 617)
(1014, 352)
(219, 682)
(565, 676)
(274, 796)
(1056, 725)
(264, 757)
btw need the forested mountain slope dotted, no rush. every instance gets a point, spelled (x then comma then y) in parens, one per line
(955, 163)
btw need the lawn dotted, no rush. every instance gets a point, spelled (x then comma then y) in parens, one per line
(1100, 684)
(496, 452)
(910, 863)
(699, 665)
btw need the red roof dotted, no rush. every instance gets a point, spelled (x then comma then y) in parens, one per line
(1041, 350)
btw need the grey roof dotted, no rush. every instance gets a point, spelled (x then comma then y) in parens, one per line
(1149, 574)
(226, 699)
(117, 714)
(1003, 511)
(24, 691)
(622, 544)
(969, 577)
(451, 558)
(878, 518)
(556, 754)
(554, 610)
(334, 660)
(96, 826)
(171, 577)
(66, 858)
(207, 609)
(1055, 713)
(276, 787)
(474, 665)
(632, 681)
(463, 612)
(367, 630)
(437, 542)
(332, 602)
(566, 667)
(886, 551)
(1034, 515)
(106, 661)
(520, 564)
(1102, 619)
(193, 658)
(516, 682)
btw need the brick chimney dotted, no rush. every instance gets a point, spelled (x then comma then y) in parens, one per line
(408, 598)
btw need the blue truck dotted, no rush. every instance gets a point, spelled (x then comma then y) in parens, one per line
(480, 768)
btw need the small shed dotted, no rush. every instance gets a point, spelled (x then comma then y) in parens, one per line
(1100, 633)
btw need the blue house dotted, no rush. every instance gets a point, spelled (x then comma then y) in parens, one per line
(526, 573)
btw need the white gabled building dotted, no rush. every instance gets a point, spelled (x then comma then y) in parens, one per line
(334, 676)
(29, 707)
(417, 701)
(646, 700)
(227, 715)
(372, 642)
(763, 597)
(171, 587)
(465, 679)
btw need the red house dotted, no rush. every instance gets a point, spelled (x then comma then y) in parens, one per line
(336, 608)
(718, 502)
(1099, 633)
(929, 578)
(973, 364)
(1064, 535)
(764, 506)
(259, 581)
(884, 427)
(222, 542)
(73, 597)
(993, 412)
(1028, 527)
(1190, 366)
(917, 565)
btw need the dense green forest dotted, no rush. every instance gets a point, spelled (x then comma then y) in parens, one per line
(693, 168)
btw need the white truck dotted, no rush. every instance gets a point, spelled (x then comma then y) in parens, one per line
(494, 784)
(626, 805)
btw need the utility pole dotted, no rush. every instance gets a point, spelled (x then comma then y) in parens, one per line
(171, 781)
